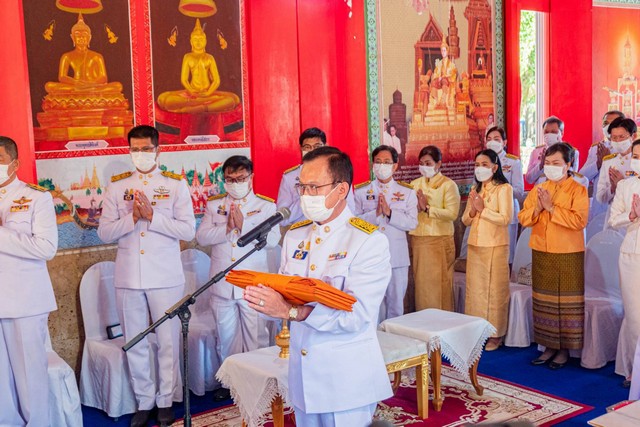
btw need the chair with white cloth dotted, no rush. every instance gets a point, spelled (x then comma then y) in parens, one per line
(203, 358)
(595, 225)
(602, 299)
(64, 399)
(104, 376)
(520, 327)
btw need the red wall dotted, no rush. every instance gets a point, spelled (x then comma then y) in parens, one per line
(307, 67)
(569, 82)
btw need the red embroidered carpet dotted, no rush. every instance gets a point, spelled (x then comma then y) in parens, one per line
(501, 401)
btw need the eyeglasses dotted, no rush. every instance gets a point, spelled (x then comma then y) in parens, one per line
(619, 138)
(307, 147)
(312, 189)
(237, 180)
(147, 149)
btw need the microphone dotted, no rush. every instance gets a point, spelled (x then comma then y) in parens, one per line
(264, 227)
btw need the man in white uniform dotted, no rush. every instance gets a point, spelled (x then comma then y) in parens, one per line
(336, 370)
(228, 217)
(393, 207)
(553, 129)
(617, 165)
(597, 152)
(148, 212)
(395, 141)
(28, 238)
(288, 197)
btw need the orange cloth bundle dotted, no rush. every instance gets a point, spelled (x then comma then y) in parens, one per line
(296, 290)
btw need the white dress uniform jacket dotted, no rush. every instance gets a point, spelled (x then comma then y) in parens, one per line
(535, 175)
(148, 253)
(335, 361)
(288, 196)
(592, 173)
(616, 161)
(28, 238)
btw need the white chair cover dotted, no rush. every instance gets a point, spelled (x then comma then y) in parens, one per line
(104, 376)
(64, 399)
(203, 358)
(459, 291)
(520, 327)
(603, 301)
(596, 225)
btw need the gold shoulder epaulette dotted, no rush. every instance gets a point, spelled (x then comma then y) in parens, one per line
(363, 225)
(362, 184)
(118, 177)
(172, 175)
(609, 156)
(404, 184)
(291, 169)
(512, 157)
(300, 224)
(268, 199)
(217, 196)
(37, 187)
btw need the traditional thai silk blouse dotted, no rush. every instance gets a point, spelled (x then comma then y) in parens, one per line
(443, 199)
(490, 227)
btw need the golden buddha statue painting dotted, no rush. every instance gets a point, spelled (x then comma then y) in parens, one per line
(443, 80)
(201, 80)
(83, 104)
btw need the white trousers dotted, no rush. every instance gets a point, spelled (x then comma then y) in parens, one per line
(629, 267)
(393, 302)
(24, 386)
(239, 327)
(134, 307)
(357, 417)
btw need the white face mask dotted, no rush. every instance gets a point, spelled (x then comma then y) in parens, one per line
(314, 208)
(237, 190)
(635, 166)
(382, 171)
(552, 138)
(483, 174)
(4, 173)
(554, 173)
(496, 146)
(620, 146)
(605, 132)
(144, 162)
(427, 171)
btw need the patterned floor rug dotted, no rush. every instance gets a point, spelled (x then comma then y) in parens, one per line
(501, 401)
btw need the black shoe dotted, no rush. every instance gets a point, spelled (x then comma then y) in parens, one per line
(141, 418)
(221, 394)
(539, 361)
(166, 417)
(555, 365)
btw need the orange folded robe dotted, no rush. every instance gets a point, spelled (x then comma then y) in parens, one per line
(296, 290)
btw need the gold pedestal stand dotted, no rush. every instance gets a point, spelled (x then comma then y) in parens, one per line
(282, 340)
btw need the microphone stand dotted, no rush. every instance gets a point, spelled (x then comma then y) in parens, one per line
(181, 309)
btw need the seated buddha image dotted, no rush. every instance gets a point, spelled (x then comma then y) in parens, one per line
(443, 81)
(201, 80)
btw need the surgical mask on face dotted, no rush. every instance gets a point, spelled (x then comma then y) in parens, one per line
(620, 146)
(554, 173)
(382, 171)
(496, 146)
(552, 138)
(605, 132)
(483, 173)
(314, 208)
(237, 190)
(427, 171)
(143, 161)
(635, 166)
(4, 173)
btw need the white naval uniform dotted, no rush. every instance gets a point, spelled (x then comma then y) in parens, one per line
(148, 274)
(28, 238)
(603, 192)
(336, 369)
(238, 327)
(288, 196)
(403, 202)
(592, 173)
(535, 175)
(629, 266)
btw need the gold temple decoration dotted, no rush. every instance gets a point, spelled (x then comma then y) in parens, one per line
(221, 39)
(111, 36)
(47, 34)
(282, 340)
(80, 6)
(173, 37)
(197, 8)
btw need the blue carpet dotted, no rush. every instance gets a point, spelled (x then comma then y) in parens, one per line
(598, 387)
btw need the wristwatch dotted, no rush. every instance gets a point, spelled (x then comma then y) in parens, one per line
(293, 313)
